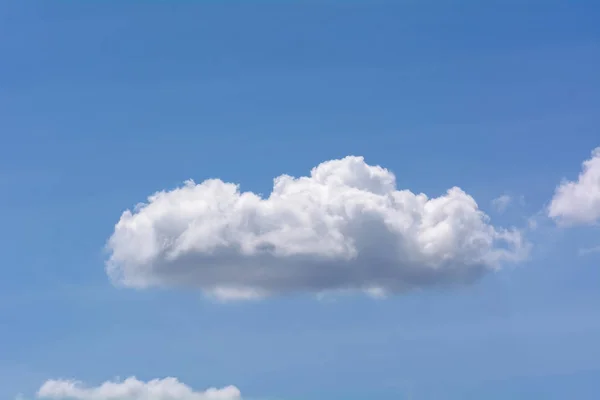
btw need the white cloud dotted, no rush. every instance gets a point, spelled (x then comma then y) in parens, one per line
(344, 227)
(589, 250)
(578, 202)
(501, 203)
(132, 389)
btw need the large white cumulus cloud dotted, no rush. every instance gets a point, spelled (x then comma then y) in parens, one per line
(132, 389)
(344, 227)
(578, 202)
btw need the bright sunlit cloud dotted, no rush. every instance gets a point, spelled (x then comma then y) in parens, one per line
(346, 226)
(578, 202)
(132, 389)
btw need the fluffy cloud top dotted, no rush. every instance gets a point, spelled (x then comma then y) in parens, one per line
(578, 202)
(344, 227)
(132, 389)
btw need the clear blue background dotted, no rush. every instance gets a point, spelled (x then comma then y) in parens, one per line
(103, 103)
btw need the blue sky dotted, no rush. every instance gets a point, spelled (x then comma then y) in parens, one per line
(104, 103)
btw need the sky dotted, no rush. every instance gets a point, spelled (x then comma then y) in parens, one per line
(299, 200)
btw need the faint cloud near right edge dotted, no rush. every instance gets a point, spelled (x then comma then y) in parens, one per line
(584, 251)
